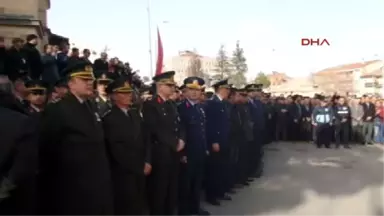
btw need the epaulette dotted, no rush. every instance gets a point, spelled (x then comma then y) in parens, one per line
(106, 113)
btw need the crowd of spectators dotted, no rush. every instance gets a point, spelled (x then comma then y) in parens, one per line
(23, 57)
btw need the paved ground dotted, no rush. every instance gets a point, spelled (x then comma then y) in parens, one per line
(300, 179)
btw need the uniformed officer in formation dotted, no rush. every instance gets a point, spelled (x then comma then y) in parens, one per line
(132, 159)
(258, 124)
(74, 171)
(218, 125)
(102, 101)
(193, 120)
(322, 117)
(167, 145)
(128, 145)
(37, 95)
(342, 123)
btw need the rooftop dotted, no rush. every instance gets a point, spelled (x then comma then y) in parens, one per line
(346, 67)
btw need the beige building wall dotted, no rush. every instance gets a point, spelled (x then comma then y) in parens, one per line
(181, 63)
(19, 18)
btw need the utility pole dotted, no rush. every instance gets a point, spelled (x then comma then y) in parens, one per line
(150, 38)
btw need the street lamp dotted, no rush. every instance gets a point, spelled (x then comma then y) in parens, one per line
(150, 38)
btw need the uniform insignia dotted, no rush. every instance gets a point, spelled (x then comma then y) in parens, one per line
(88, 68)
(55, 100)
(159, 100)
(326, 109)
(97, 117)
(106, 113)
(344, 108)
(97, 100)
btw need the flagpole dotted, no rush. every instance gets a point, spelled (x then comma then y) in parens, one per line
(150, 38)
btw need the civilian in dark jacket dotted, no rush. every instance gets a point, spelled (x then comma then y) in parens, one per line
(86, 54)
(50, 72)
(368, 117)
(295, 113)
(15, 60)
(62, 59)
(74, 58)
(306, 125)
(282, 120)
(34, 62)
(100, 65)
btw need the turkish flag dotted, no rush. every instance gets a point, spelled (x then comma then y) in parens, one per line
(160, 54)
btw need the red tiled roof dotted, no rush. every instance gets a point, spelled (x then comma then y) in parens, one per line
(345, 67)
(376, 73)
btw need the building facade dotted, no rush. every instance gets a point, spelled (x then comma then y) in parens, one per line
(276, 78)
(189, 63)
(18, 18)
(349, 78)
(299, 85)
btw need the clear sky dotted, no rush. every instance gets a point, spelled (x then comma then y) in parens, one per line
(270, 31)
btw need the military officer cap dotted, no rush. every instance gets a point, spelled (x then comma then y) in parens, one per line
(254, 87)
(62, 82)
(36, 87)
(80, 69)
(104, 78)
(23, 77)
(120, 85)
(166, 78)
(321, 97)
(221, 84)
(182, 87)
(208, 94)
(243, 91)
(194, 83)
(145, 89)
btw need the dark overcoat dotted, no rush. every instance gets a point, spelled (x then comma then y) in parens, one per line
(75, 175)
(126, 140)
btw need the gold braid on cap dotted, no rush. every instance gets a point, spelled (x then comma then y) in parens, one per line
(126, 88)
(194, 85)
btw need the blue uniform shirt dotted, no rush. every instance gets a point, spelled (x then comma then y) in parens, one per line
(218, 122)
(193, 119)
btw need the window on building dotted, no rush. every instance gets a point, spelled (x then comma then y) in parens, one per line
(369, 85)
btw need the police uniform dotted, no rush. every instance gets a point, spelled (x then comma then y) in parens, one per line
(322, 117)
(342, 124)
(163, 123)
(127, 142)
(75, 175)
(258, 119)
(218, 126)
